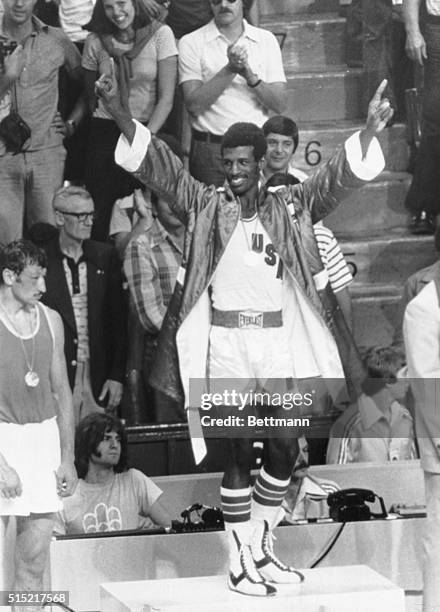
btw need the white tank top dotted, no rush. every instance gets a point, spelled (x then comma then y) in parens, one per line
(236, 285)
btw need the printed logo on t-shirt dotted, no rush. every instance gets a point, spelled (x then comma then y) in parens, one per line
(103, 518)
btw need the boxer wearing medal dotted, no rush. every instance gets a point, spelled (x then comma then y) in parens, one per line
(36, 414)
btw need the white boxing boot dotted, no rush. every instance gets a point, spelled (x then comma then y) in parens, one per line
(243, 576)
(268, 566)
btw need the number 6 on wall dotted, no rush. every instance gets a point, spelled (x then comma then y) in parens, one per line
(312, 156)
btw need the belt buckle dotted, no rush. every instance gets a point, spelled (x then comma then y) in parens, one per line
(250, 319)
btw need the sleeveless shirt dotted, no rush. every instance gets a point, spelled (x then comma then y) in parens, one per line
(19, 403)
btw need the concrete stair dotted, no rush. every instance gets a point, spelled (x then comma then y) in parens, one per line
(377, 206)
(308, 39)
(296, 7)
(380, 266)
(387, 259)
(319, 140)
(375, 315)
(324, 96)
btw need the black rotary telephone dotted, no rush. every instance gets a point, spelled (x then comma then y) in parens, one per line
(350, 505)
(199, 517)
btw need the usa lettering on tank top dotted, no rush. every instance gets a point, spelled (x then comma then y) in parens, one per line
(249, 274)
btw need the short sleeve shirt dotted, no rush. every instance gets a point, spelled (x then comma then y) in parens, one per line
(45, 52)
(204, 52)
(143, 82)
(121, 504)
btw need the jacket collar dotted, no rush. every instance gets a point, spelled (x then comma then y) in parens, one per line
(213, 32)
(90, 253)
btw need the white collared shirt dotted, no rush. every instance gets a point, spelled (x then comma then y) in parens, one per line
(204, 52)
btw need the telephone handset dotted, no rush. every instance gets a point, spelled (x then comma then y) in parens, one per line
(349, 505)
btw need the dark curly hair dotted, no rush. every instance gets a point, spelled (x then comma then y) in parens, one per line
(244, 134)
(16, 255)
(100, 24)
(90, 433)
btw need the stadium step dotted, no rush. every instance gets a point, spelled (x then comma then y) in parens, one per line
(296, 7)
(375, 314)
(324, 95)
(319, 140)
(376, 207)
(309, 41)
(386, 259)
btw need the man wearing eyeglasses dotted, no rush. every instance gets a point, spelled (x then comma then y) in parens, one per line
(229, 71)
(84, 285)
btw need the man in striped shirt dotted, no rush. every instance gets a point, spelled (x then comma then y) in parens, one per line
(282, 141)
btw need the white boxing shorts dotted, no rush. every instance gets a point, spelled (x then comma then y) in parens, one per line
(33, 450)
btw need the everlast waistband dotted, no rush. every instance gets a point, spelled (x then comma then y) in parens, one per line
(246, 319)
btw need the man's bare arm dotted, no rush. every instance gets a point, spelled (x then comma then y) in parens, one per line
(66, 473)
(200, 96)
(271, 95)
(415, 43)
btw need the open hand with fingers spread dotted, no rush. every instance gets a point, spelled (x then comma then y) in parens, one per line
(379, 111)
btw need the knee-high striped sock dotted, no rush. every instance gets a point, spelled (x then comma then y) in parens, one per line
(236, 506)
(267, 497)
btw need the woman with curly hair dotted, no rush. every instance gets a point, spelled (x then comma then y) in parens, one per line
(142, 54)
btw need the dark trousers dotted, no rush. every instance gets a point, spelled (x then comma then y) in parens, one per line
(380, 30)
(424, 193)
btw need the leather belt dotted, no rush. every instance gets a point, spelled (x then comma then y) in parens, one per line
(246, 319)
(206, 137)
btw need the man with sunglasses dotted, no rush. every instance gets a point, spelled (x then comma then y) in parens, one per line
(229, 71)
(84, 285)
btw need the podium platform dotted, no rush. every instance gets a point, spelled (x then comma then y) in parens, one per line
(329, 589)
